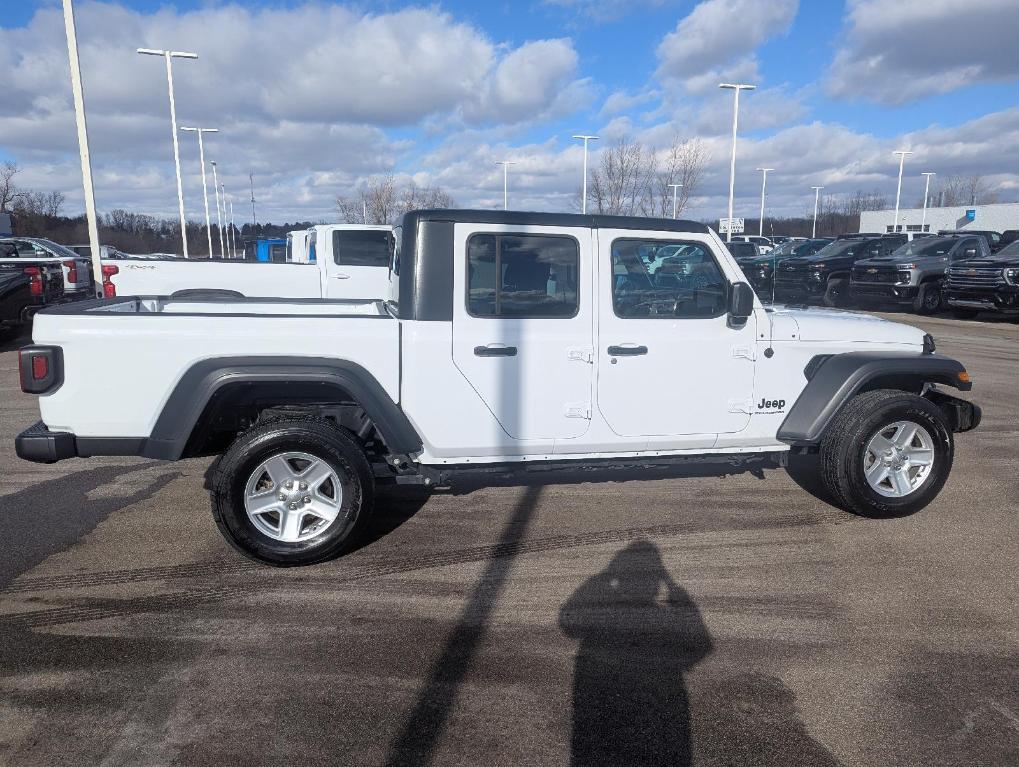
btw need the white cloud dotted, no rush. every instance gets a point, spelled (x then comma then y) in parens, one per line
(901, 51)
(718, 32)
(606, 10)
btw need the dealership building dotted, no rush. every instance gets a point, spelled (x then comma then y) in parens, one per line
(996, 218)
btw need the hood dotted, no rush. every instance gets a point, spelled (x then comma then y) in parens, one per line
(989, 262)
(818, 324)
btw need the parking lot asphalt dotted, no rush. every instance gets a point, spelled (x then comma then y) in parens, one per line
(710, 616)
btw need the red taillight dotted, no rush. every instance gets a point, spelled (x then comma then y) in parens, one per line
(72, 270)
(35, 287)
(109, 289)
(40, 367)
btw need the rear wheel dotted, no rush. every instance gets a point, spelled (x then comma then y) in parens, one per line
(887, 454)
(292, 491)
(928, 299)
(836, 293)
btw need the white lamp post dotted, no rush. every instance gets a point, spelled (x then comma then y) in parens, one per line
(233, 237)
(219, 215)
(205, 188)
(736, 88)
(83, 151)
(926, 191)
(817, 196)
(675, 198)
(764, 184)
(585, 139)
(505, 168)
(898, 190)
(169, 56)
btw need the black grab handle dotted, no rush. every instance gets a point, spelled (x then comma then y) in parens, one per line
(627, 351)
(495, 351)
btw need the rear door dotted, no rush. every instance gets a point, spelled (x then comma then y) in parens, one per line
(670, 364)
(523, 325)
(359, 267)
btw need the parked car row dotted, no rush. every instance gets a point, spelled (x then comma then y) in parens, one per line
(963, 271)
(35, 273)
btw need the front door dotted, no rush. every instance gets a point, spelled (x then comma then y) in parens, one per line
(522, 325)
(671, 363)
(359, 267)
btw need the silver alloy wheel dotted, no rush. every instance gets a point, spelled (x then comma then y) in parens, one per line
(293, 496)
(898, 459)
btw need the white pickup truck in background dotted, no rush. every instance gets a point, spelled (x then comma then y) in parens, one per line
(77, 269)
(352, 261)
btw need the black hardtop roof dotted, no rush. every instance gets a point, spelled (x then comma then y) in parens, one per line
(528, 218)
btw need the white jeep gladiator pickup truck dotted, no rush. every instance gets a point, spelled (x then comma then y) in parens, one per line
(352, 262)
(511, 342)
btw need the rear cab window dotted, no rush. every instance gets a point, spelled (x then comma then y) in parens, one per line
(352, 247)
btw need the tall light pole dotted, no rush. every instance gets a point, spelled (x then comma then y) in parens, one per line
(675, 198)
(219, 215)
(817, 196)
(926, 191)
(736, 88)
(169, 56)
(764, 184)
(583, 199)
(205, 188)
(83, 151)
(898, 190)
(233, 238)
(505, 194)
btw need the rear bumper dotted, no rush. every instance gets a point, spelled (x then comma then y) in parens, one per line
(37, 443)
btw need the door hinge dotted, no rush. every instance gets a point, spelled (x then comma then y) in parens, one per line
(580, 355)
(747, 352)
(578, 410)
(741, 406)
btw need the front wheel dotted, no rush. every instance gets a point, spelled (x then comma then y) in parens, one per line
(888, 453)
(837, 292)
(928, 299)
(292, 491)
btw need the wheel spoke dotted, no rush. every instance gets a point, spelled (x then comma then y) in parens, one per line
(279, 470)
(877, 472)
(900, 482)
(905, 435)
(880, 444)
(315, 474)
(290, 524)
(322, 509)
(920, 456)
(263, 502)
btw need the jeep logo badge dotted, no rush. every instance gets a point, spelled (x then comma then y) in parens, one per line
(771, 404)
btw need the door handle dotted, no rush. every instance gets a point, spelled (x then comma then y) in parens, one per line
(626, 351)
(495, 351)
(340, 276)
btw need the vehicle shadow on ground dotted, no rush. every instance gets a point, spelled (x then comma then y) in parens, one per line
(46, 518)
(10, 342)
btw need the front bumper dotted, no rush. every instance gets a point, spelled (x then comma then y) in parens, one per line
(884, 291)
(37, 443)
(1003, 299)
(962, 414)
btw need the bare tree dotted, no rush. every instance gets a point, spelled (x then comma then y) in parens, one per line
(958, 190)
(623, 183)
(9, 192)
(683, 164)
(860, 201)
(380, 200)
(38, 204)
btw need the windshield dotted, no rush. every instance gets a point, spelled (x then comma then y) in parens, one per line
(841, 248)
(58, 249)
(940, 246)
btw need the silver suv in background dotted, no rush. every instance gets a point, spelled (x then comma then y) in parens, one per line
(914, 274)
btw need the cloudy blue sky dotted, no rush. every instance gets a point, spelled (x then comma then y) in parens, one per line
(315, 97)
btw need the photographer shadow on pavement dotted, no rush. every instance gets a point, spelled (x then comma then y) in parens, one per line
(639, 633)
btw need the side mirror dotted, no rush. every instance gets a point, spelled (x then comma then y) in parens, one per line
(741, 302)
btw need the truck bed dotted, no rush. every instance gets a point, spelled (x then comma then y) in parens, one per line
(251, 278)
(123, 357)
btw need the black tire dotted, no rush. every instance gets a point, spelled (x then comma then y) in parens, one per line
(837, 293)
(929, 299)
(965, 314)
(844, 444)
(318, 438)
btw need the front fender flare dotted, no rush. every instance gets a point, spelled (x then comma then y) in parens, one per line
(835, 380)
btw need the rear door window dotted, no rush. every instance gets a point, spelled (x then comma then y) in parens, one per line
(352, 247)
(522, 275)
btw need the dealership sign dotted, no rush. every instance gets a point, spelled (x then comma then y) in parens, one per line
(730, 226)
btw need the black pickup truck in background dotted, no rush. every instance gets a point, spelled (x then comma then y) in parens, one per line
(985, 284)
(824, 276)
(26, 286)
